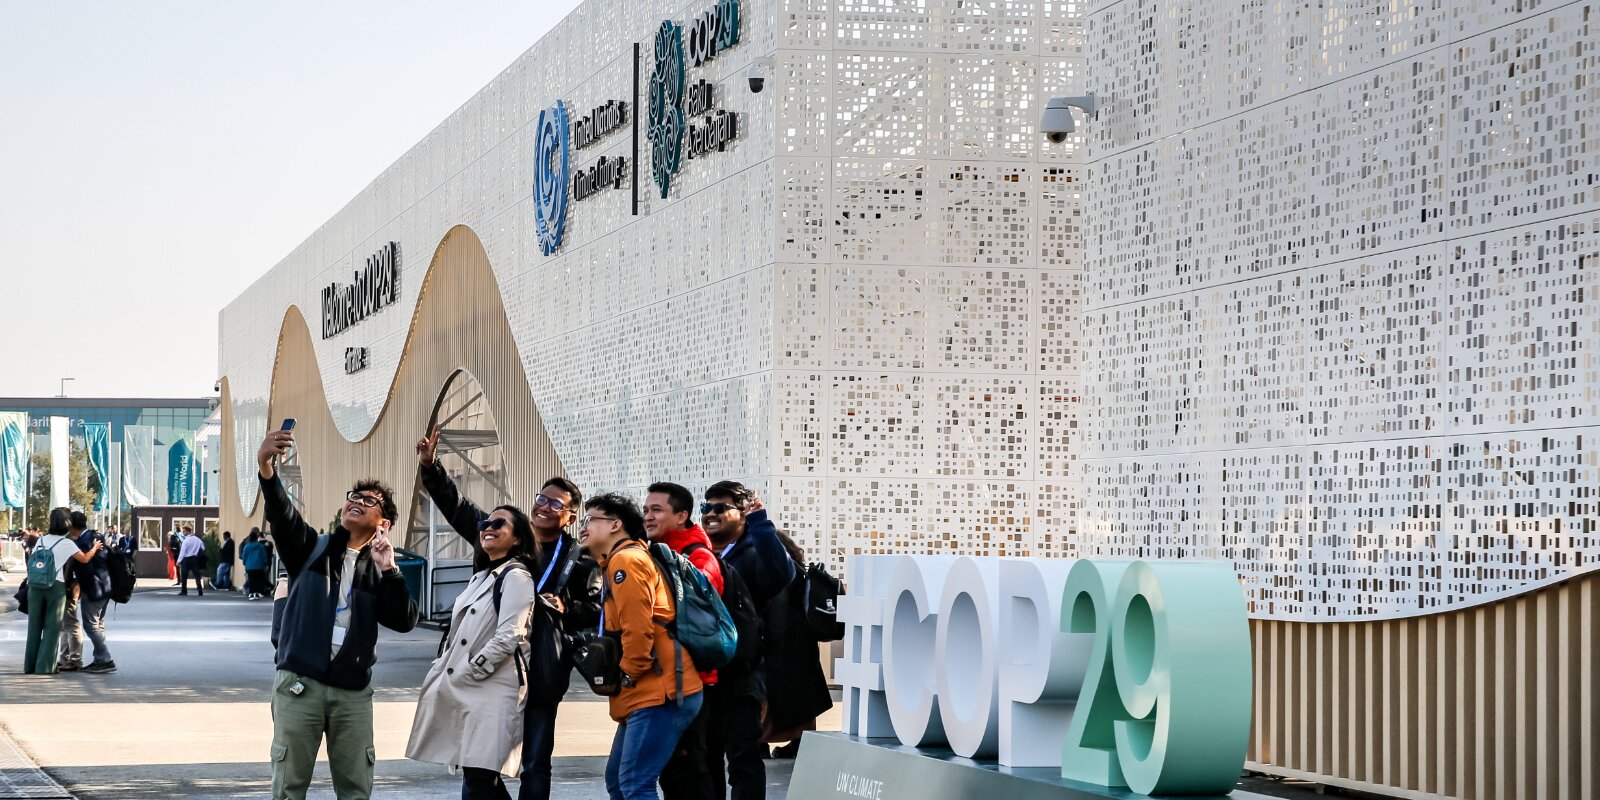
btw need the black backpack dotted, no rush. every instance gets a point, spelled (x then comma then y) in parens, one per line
(124, 573)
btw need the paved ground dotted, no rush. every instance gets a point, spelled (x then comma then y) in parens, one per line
(186, 714)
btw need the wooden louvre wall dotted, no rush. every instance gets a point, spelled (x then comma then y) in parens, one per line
(459, 324)
(1493, 701)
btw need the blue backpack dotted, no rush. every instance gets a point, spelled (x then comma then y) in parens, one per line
(42, 564)
(701, 623)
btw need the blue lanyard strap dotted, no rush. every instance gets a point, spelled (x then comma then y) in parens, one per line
(554, 560)
(729, 548)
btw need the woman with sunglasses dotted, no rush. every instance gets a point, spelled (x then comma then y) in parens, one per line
(470, 711)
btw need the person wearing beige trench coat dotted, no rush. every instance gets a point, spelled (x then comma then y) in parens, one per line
(470, 711)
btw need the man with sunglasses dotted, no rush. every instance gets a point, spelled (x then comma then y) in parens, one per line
(747, 541)
(343, 585)
(566, 577)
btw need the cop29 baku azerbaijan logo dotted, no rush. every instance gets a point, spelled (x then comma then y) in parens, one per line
(666, 105)
(709, 34)
(550, 176)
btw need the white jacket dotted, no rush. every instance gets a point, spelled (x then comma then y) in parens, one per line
(470, 709)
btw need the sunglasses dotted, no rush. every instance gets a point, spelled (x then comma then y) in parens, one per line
(718, 508)
(366, 500)
(491, 524)
(554, 504)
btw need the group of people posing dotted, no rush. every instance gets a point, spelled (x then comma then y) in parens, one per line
(67, 592)
(488, 704)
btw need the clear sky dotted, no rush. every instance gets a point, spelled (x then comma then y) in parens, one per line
(157, 156)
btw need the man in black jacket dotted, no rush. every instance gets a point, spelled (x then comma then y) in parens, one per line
(566, 578)
(342, 587)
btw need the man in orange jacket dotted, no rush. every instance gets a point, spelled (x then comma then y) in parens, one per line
(667, 509)
(650, 716)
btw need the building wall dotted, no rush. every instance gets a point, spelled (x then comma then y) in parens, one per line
(864, 308)
(1341, 321)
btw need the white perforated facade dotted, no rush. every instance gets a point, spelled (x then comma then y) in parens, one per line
(1341, 323)
(864, 307)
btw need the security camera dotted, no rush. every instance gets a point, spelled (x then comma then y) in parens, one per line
(756, 74)
(1057, 123)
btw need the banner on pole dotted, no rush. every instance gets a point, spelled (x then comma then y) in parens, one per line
(97, 437)
(60, 461)
(138, 464)
(180, 474)
(15, 450)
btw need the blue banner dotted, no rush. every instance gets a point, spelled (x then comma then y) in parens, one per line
(180, 474)
(97, 438)
(14, 453)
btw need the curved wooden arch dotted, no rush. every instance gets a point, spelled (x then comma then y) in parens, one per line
(459, 324)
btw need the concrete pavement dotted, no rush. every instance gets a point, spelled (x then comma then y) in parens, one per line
(187, 713)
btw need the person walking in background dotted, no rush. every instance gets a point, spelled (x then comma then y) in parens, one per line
(192, 561)
(70, 658)
(47, 591)
(650, 712)
(667, 507)
(469, 712)
(224, 578)
(343, 586)
(255, 559)
(174, 544)
(567, 580)
(94, 594)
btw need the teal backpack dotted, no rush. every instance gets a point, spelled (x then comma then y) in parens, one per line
(42, 565)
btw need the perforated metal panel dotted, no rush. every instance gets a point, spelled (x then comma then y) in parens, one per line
(1340, 316)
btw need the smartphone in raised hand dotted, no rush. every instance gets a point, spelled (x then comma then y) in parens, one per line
(288, 424)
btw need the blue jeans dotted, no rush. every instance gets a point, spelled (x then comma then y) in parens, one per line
(538, 744)
(644, 742)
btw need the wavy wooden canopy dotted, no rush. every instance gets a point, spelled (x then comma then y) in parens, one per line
(459, 324)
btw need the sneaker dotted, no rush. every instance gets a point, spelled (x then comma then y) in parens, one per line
(102, 667)
(68, 667)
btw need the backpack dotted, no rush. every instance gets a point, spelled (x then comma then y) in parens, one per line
(821, 599)
(42, 564)
(124, 573)
(746, 617)
(701, 623)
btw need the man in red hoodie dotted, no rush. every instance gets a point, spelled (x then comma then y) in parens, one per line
(667, 509)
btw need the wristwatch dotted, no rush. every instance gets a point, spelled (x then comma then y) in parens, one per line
(627, 681)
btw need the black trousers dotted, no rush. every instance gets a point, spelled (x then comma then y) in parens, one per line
(733, 731)
(538, 743)
(685, 776)
(192, 567)
(482, 784)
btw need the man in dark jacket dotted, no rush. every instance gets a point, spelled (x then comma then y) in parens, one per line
(94, 593)
(747, 541)
(224, 578)
(343, 586)
(565, 577)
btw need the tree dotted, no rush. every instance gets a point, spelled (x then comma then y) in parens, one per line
(82, 484)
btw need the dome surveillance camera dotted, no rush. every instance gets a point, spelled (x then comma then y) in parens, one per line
(756, 74)
(1057, 122)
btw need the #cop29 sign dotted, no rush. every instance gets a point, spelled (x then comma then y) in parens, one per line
(1129, 674)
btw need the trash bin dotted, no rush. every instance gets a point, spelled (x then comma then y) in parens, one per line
(412, 568)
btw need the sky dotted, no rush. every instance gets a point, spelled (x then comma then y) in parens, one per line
(156, 157)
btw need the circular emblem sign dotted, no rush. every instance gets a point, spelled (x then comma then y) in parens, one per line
(666, 105)
(550, 176)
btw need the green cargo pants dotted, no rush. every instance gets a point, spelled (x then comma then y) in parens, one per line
(44, 627)
(299, 721)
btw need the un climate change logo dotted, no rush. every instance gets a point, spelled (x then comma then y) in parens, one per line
(550, 176)
(666, 106)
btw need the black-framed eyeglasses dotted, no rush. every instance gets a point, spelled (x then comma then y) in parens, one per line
(587, 518)
(364, 499)
(546, 500)
(491, 524)
(718, 508)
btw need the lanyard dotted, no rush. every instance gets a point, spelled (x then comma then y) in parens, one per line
(728, 549)
(555, 559)
(338, 609)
